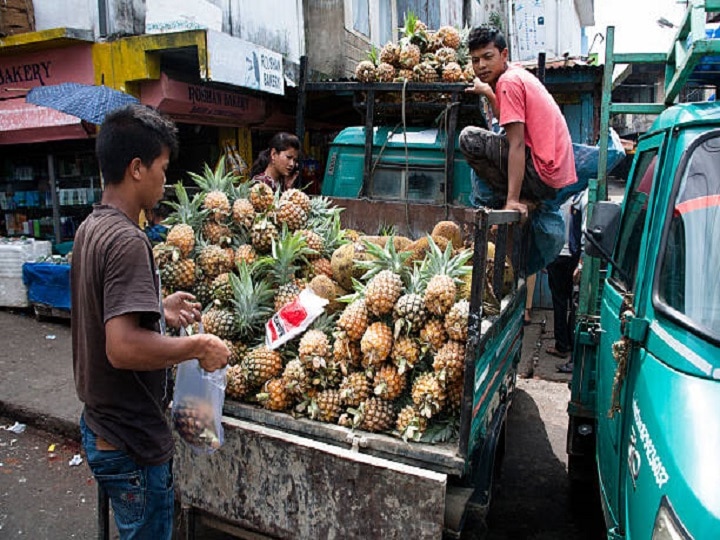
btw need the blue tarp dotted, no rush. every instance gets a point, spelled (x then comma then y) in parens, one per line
(48, 284)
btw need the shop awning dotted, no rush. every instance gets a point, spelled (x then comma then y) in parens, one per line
(22, 122)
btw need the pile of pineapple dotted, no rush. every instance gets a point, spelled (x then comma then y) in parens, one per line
(421, 55)
(388, 354)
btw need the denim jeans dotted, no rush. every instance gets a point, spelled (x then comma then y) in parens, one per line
(142, 497)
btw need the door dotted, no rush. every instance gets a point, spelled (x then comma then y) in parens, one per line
(615, 353)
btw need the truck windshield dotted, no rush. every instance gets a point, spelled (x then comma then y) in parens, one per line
(688, 280)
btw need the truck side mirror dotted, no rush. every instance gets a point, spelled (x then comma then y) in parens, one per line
(602, 229)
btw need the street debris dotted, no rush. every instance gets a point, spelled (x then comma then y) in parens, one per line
(75, 461)
(17, 427)
(50, 336)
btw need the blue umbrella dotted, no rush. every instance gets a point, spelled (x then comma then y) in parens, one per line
(87, 102)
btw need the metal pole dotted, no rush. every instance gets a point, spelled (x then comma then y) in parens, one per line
(301, 101)
(54, 197)
(541, 67)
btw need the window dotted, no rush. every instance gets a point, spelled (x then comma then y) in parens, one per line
(385, 32)
(688, 281)
(627, 251)
(428, 11)
(361, 16)
(421, 185)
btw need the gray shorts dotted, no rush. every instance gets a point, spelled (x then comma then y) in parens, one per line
(487, 154)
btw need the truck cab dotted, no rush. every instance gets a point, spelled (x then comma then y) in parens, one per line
(646, 379)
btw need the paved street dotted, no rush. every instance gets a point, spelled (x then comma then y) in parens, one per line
(42, 496)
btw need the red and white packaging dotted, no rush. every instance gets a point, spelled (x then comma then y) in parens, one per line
(293, 318)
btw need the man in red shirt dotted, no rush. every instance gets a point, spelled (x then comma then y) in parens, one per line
(533, 159)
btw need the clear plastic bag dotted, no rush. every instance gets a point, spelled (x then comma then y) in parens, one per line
(197, 406)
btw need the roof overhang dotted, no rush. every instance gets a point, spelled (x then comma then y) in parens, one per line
(22, 122)
(44, 39)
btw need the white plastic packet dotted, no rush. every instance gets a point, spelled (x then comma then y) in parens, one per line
(293, 318)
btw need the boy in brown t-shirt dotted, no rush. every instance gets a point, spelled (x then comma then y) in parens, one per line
(120, 358)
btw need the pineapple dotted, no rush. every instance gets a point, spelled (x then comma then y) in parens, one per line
(405, 353)
(425, 72)
(415, 31)
(409, 313)
(221, 288)
(456, 321)
(219, 322)
(287, 293)
(410, 423)
(179, 274)
(443, 269)
(243, 213)
(275, 396)
(353, 320)
(263, 233)
(297, 197)
(433, 333)
(213, 261)
(245, 253)
(390, 54)
(203, 291)
(445, 55)
(296, 378)
(454, 395)
(215, 184)
(164, 253)
(261, 365)
(389, 383)
(428, 394)
(450, 36)
(314, 349)
(376, 344)
(354, 389)
(186, 216)
(288, 253)
(403, 75)
(449, 362)
(326, 407)
(216, 233)
(322, 267)
(316, 243)
(385, 72)
(365, 71)
(469, 73)
(382, 292)
(452, 73)
(409, 56)
(261, 197)
(434, 43)
(237, 386)
(346, 353)
(237, 351)
(290, 214)
(375, 415)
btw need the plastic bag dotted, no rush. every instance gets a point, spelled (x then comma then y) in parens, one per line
(293, 318)
(197, 406)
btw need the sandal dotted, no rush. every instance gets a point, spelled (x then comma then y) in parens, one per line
(527, 319)
(558, 354)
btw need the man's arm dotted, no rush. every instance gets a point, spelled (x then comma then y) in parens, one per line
(129, 346)
(484, 89)
(515, 133)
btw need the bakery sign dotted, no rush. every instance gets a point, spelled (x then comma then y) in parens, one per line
(238, 62)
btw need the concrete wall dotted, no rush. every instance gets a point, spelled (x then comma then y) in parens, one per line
(80, 14)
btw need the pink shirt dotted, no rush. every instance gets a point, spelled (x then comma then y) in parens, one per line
(522, 98)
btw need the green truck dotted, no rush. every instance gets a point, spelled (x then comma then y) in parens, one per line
(646, 378)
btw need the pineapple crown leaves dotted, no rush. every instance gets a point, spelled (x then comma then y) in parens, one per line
(384, 258)
(251, 300)
(373, 55)
(414, 33)
(213, 179)
(330, 229)
(186, 211)
(438, 262)
(325, 323)
(241, 190)
(288, 250)
(359, 292)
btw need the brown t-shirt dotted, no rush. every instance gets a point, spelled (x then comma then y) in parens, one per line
(112, 274)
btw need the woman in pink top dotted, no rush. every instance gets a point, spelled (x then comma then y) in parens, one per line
(533, 159)
(277, 165)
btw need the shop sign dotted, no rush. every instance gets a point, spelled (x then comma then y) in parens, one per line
(234, 61)
(19, 73)
(202, 104)
(529, 22)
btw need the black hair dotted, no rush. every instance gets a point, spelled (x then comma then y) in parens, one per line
(133, 131)
(280, 141)
(485, 34)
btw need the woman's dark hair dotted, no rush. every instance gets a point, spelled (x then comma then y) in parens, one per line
(485, 34)
(134, 131)
(280, 141)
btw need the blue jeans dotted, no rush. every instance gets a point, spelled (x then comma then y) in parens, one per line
(142, 497)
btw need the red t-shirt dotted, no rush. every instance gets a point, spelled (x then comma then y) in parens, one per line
(521, 97)
(112, 274)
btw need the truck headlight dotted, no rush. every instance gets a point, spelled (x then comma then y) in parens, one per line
(667, 524)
